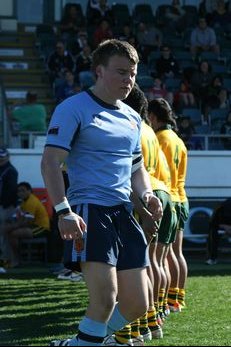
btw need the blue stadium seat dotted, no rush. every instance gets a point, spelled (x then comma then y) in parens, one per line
(194, 114)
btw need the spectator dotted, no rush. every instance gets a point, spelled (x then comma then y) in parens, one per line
(219, 223)
(166, 65)
(149, 39)
(32, 115)
(226, 129)
(176, 17)
(83, 63)
(126, 33)
(31, 220)
(200, 81)
(203, 38)
(185, 131)
(59, 61)
(97, 10)
(206, 7)
(79, 42)
(71, 22)
(184, 96)
(221, 17)
(8, 200)
(159, 91)
(216, 96)
(68, 88)
(102, 32)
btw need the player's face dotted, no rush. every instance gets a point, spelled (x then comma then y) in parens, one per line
(118, 77)
(153, 120)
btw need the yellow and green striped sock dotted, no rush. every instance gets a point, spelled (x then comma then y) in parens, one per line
(123, 335)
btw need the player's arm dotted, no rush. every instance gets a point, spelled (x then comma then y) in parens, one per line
(141, 186)
(71, 226)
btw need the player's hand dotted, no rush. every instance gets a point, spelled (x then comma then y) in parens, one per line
(154, 206)
(72, 227)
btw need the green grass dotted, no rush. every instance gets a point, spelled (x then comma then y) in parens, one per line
(35, 308)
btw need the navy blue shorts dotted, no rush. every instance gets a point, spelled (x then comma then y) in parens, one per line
(113, 237)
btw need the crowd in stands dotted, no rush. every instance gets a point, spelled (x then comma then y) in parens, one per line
(184, 52)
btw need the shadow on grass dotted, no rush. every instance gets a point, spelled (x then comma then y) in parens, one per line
(197, 267)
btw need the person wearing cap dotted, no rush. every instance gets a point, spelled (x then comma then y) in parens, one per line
(8, 199)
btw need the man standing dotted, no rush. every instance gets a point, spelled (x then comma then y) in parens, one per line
(8, 199)
(98, 136)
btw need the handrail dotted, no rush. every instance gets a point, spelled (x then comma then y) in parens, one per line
(206, 138)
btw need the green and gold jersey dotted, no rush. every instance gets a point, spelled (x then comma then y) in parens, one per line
(182, 173)
(154, 160)
(173, 150)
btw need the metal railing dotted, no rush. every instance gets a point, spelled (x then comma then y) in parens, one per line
(212, 141)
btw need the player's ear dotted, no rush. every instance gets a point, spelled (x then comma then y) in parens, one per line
(99, 71)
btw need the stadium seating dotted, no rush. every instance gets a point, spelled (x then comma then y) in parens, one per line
(194, 114)
(142, 13)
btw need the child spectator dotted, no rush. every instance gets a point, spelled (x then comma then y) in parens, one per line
(184, 96)
(68, 88)
(159, 91)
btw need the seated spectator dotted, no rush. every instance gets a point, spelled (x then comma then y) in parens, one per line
(206, 8)
(216, 95)
(200, 81)
(30, 116)
(221, 17)
(149, 39)
(68, 88)
(31, 220)
(167, 65)
(226, 130)
(126, 33)
(70, 23)
(184, 96)
(83, 61)
(79, 42)
(203, 38)
(220, 224)
(102, 32)
(59, 61)
(176, 17)
(186, 130)
(159, 91)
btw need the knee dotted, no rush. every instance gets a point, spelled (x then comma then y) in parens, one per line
(106, 303)
(137, 309)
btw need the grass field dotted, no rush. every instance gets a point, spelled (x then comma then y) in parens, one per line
(36, 307)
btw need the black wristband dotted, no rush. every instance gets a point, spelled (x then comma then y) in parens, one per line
(63, 211)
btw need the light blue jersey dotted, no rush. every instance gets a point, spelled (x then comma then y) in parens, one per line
(103, 143)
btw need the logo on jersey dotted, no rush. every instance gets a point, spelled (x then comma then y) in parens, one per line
(97, 119)
(53, 131)
(133, 124)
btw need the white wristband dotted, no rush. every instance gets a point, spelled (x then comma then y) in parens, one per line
(62, 206)
(145, 192)
(69, 217)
